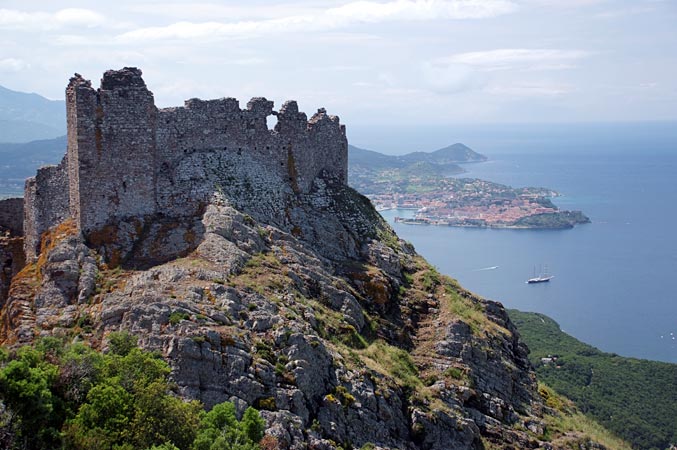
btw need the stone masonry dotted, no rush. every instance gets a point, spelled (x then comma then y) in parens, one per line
(11, 243)
(128, 159)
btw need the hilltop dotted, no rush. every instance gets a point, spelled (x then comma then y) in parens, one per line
(447, 156)
(241, 256)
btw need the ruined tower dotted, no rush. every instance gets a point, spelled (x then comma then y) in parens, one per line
(111, 148)
(126, 159)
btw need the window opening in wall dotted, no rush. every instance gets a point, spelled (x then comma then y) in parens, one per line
(271, 121)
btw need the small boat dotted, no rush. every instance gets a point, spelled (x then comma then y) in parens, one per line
(542, 278)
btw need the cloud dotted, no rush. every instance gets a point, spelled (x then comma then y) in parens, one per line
(410, 10)
(488, 71)
(519, 58)
(41, 20)
(190, 11)
(346, 15)
(448, 78)
(12, 65)
(530, 90)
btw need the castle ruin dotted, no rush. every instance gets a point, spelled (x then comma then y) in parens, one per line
(126, 158)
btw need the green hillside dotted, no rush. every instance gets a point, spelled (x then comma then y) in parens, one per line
(636, 399)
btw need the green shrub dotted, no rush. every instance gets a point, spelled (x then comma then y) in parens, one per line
(266, 352)
(267, 403)
(454, 372)
(121, 343)
(70, 396)
(177, 316)
(220, 430)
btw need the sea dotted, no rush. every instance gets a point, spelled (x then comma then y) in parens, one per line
(615, 279)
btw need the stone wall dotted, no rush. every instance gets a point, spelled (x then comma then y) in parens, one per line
(111, 148)
(46, 204)
(12, 260)
(12, 215)
(12, 257)
(128, 159)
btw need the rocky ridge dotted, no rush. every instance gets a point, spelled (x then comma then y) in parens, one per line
(339, 343)
(300, 302)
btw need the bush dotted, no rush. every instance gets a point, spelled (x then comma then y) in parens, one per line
(220, 429)
(177, 316)
(58, 396)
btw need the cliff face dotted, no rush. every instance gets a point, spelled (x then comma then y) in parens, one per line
(290, 294)
(342, 335)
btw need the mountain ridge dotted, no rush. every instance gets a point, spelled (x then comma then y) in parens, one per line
(28, 116)
(242, 257)
(449, 155)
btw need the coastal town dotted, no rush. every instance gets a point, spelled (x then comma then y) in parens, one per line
(475, 203)
(436, 198)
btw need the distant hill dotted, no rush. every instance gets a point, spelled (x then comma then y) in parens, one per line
(367, 168)
(634, 398)
(453, 154)
(27, 117)
(456, 153)
(19, 161)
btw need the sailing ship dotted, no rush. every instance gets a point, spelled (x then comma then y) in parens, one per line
(544, 277)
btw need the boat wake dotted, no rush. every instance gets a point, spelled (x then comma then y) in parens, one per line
(487, 268)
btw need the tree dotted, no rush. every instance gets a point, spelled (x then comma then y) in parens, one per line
(220, 429)
(26, 390)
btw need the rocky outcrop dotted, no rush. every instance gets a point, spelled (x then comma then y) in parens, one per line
(280, 289)
(337, 330)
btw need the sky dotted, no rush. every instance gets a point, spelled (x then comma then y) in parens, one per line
(372, 62)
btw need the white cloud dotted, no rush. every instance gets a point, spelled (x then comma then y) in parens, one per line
(512, 58)
(409, 10)
(330, 19)
(191, 11)
(41, 20)
(530, 90)
(488, 72)
(78, 17)
(13, 65)
(448, 78)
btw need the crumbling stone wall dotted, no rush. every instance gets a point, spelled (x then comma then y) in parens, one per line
(46, 203)
(12, 215)
(111, 148)
(12, 257)
(128, 159)
(12, 260)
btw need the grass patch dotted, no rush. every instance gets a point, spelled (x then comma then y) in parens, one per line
(387, 359)
(570, 420)
(177, 316)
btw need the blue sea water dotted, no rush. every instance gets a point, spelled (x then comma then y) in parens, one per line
(615, 279)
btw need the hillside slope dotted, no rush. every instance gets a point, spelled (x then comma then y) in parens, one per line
(634, 398)
(336, 329)
(27, 117)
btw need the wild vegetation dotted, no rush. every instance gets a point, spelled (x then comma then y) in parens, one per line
(57, 395)
(634, 398)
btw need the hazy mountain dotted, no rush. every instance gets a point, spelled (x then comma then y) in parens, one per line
(19, 160)
(27, 117)
(456, 153)
(451, 155)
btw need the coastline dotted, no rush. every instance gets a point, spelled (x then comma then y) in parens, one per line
(405, 221)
